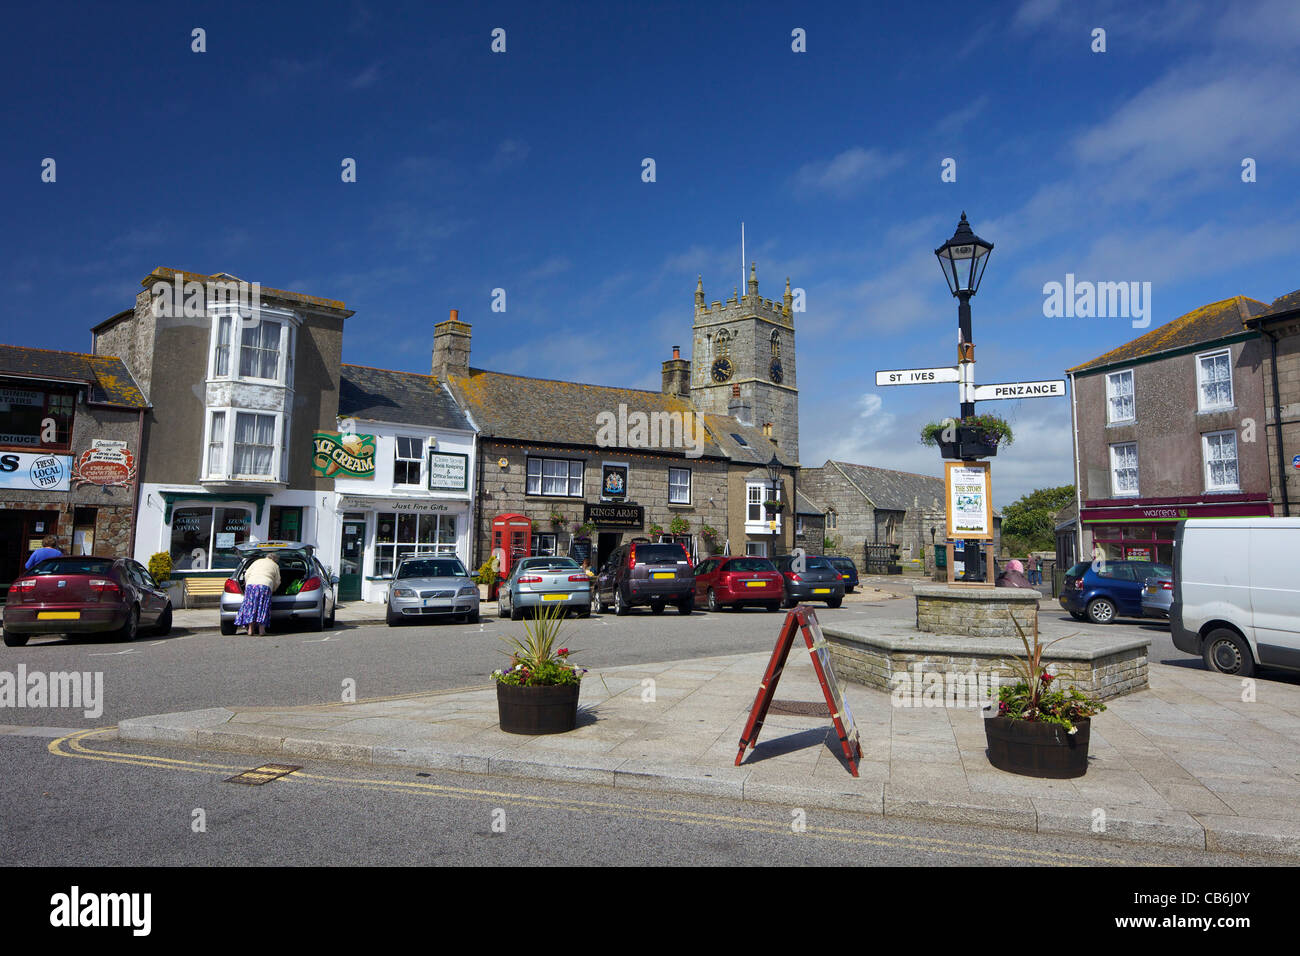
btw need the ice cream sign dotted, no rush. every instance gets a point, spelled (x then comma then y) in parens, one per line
(107, 463)
(343, 454)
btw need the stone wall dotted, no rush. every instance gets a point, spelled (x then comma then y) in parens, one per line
(876, 665)
(975, 611)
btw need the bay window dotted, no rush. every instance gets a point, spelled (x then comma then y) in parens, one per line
(243, 445)
(242, 349)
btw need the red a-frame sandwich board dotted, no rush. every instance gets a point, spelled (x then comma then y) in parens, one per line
(804, 620)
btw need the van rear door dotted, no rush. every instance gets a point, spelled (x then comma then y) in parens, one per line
(1275, 594)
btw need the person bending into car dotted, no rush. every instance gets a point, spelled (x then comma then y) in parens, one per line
(260, 581)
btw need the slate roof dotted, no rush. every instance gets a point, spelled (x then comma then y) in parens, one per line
(1209, 323)
(549, 412)
(756, 448)
(405, 398)
(107, 377)
(1281, 305)
(806, 506)
(891, 490)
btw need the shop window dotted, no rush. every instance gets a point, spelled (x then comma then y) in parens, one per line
(555, 477)
(1124, 469)
(36, 418)
(286, 523)
(679, 486)
(204, 538)
(408, 457)
(1219, 452)
(1120, 406)
(1214, 380)
(397, 535)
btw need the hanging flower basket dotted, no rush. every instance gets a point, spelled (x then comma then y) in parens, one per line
(976, 437)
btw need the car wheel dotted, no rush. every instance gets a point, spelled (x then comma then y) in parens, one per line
(1226, 652)
(15, 640)
(329, 621)
(501, 608)
(788, 602)
(1101, 611)
(516, 613)
(131, 628)
(472, 616)
(713, 601)
(620, 606)
(390, 618)
(687, 606)
(596, 606)
(773, 605)
(835, 602)
(227, 627)
(318, 623)
(657, 608)
(164, 625)
(848, 590)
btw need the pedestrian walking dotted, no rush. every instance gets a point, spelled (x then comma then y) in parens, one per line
(1031, 568)
(47, 550)
(261, 580)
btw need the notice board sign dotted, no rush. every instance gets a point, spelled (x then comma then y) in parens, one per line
(969, 497)
(803, 621)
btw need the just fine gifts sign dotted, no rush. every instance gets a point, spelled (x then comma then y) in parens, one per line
(338, 454)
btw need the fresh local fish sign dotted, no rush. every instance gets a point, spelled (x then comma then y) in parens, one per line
(25, 472)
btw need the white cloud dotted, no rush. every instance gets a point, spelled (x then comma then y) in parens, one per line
(847, 172)
(510, 152)
(366, 78)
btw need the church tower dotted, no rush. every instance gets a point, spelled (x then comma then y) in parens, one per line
(747, 343)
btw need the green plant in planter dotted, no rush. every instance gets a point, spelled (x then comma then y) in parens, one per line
(557, 519)
(679, 525)
(583, 530)
(708, 532)
(160, 567)
(774, 506)
(487, 572)
(533, 661)
(831, 543)
(656, 528)
(1032, 697)
(995, 430)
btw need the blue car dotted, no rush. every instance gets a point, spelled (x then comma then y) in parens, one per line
(1109, 589)
(848, 572)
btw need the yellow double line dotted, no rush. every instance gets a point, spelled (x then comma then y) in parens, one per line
(72, 745)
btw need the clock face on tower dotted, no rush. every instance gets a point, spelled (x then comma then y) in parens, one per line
(722, 369)
(776, 371)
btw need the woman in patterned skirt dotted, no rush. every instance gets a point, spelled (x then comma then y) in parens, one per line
(260, 582)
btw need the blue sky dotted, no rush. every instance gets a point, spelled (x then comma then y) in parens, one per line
(522, 171)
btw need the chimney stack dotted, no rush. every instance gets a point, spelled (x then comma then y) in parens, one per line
(677, 376)
(451, 347)
(738, 408)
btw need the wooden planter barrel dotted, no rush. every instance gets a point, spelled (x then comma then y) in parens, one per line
(549, 709)
(1036, 749)
(971, 443)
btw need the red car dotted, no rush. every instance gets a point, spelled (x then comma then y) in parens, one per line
(737, 581)
(85, 595)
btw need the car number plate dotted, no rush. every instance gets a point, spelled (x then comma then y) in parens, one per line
(665, 574)
(755, 584)
(555, 597)
(437, 602)
(58, 615)
(821, 590)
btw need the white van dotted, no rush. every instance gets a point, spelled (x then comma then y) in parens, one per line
(1236, 599)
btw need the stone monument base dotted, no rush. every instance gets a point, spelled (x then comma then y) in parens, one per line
(975, 611)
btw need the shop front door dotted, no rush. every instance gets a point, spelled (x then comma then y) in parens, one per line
(351, 557)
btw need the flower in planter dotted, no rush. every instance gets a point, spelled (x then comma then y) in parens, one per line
(1032, 697)
(533, 662)
(994, 430)
(679, 525)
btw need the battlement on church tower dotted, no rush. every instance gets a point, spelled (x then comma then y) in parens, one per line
(738, 306)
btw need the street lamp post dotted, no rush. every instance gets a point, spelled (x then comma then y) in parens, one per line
(774, 475)
(963, 259)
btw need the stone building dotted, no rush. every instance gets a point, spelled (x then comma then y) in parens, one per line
(868, 505)
(1280, 369)
(70, 443)
(1171, 426)
(239, 379)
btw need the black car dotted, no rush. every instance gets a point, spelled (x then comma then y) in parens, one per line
(848, 572)
(811, 579)
(641, 573)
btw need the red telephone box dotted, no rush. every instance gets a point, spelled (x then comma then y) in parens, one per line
(512, 539)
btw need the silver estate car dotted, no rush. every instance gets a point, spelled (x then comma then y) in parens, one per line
(432, 586)
(545, 582)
